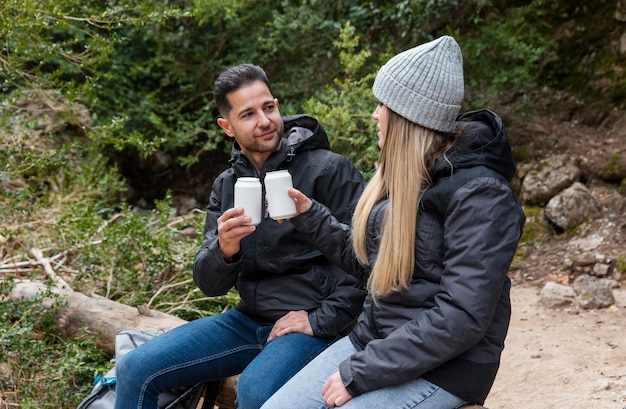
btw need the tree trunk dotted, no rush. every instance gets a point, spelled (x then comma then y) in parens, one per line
(97, 315)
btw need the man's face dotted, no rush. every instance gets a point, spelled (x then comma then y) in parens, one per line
(254, 121)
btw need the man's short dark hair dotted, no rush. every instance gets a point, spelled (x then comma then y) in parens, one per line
(234, 78)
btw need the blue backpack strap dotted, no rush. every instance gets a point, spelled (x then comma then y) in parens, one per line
(105, 380)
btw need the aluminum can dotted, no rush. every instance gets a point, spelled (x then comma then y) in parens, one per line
(281, 206)
(248, 194)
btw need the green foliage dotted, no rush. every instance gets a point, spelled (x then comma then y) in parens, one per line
(146, 70)
(507, 48)
(139, 258)
(47, 43)
(536, 228)
(621, 264)
(345, 107)
(588, 64)
(155, 85)
(614, 164)
(158, 83)
(40, 369)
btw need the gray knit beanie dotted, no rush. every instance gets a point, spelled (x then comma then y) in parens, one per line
(424, 84)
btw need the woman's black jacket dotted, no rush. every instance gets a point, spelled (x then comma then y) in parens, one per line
(449, 326)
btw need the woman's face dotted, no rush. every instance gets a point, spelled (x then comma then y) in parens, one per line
(381, 115)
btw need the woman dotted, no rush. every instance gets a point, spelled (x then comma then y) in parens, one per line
(436, 230)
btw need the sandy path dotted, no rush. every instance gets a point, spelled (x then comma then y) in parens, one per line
(562, 359)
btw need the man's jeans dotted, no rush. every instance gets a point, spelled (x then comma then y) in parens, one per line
(304, 391)
(209, 349)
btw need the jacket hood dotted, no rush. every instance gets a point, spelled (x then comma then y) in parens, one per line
(302, 133)
(482, 142)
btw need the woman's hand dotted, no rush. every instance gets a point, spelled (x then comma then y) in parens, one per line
(303, 203)
(334, 393)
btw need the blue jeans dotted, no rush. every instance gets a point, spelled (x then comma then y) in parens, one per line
(209, 349)
(304, 390)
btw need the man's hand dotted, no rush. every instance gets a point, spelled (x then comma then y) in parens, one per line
(333, 391)
(231, 229)
(293, 321)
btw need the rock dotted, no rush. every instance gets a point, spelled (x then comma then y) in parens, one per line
(555, 295)
(586, 244)
(548, 177)
(593, 292)
(184, 203)
(603, 385)
(601, 270)
(571, 207)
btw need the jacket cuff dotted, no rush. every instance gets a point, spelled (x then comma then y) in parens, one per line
(234, 259)
(348, 380)
(304, 218)
(313, 322)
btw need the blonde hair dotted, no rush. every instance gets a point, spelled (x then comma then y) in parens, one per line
(402, 175)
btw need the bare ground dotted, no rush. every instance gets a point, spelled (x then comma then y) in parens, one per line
(560, 358)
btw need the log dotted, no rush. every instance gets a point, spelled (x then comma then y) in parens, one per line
(97, 315)
(227, 394)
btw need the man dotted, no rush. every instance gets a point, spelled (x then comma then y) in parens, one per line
(294, 302)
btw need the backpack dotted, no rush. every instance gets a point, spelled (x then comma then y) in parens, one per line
(102, 395)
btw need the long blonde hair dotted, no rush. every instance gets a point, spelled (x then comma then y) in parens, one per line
(401, 177)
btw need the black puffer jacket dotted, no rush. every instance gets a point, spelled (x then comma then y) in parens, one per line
(278, 270)
(449, 326)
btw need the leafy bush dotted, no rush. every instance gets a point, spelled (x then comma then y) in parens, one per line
(345, 107)
(506, 48)
(140, 259)
(40, 369)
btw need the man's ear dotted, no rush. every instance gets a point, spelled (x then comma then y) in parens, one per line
(225, 125)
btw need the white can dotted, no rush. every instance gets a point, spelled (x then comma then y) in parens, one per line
(248, 194)
(278, 201)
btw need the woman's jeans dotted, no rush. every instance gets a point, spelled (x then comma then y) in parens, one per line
(304, 390)
(209, 349)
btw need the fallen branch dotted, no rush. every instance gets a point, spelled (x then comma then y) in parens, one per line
(47, 268)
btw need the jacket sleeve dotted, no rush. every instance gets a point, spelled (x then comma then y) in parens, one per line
(338, 312)
(482, 227)
(211, 273)
(332, 238)
(339, 189)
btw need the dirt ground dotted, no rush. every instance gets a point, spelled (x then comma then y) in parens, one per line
(568, 358)
(560, 359)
